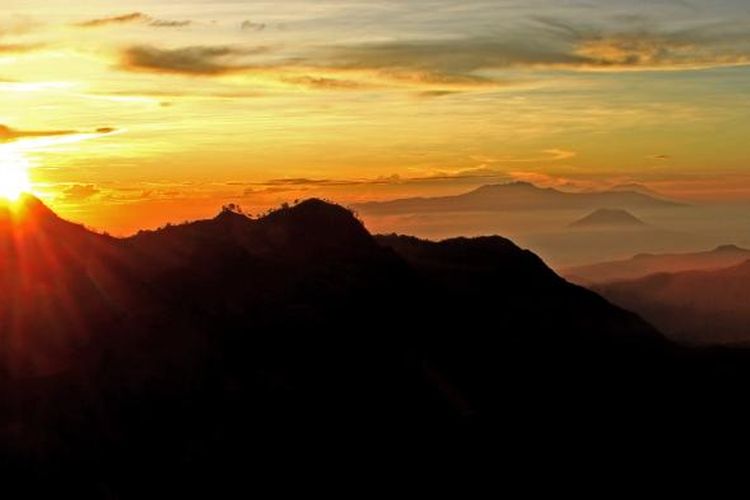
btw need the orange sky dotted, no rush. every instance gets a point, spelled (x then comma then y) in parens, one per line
(164, 110)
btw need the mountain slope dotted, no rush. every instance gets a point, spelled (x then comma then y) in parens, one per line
(645, 264)
(60, 284)
(516, 196)
(699, 307)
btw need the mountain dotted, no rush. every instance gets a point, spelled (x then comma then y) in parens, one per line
(605, 218)
(645, 264)
(697, 307)
(637, 188)
(182, 356)
(59, 284)
(517, 196)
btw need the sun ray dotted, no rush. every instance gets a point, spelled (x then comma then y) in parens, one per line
(14, 175)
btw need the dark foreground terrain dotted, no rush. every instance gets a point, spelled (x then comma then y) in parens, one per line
(185, 357)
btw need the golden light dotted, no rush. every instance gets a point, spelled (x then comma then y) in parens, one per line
(14, 175)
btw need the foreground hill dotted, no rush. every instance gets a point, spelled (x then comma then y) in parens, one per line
(699, 307)
(646, 264)
(59, 284)
(178, 355)
(517, 196)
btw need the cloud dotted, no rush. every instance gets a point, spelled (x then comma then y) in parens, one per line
(19, 48)
(323, 83)
(8, 134)
(660, 157)
(561, 182)
(448, 58)
(251, 26)
(480, 174)
(431, 94)
(162, 23)
(197, 60)
(554, 154)
(559, 154)
(132, 18)
(551, 43)
(80, 192)
(309, 72)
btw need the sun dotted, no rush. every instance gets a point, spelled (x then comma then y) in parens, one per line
(14, 175)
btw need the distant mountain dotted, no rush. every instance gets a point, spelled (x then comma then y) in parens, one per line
(609, 218)
(699, 307)
(637, 188)
(517, 196)
(645, 264)
(178, 355)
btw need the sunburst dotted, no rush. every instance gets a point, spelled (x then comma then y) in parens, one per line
(14, 175)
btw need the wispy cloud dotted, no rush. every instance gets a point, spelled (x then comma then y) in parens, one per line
(19, 48)
(196, 61)
(29, 140)
(132, 18)
(79, 192)
(548, 155)
(8, 134)
(248, 25)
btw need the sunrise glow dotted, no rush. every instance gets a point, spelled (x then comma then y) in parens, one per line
(14, 176)
(260, 103)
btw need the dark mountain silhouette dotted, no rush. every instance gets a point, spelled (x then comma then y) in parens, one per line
(59, 283)
(517, 196)
(699, 307)
(609, 218)
(643, 265)
(183, 356)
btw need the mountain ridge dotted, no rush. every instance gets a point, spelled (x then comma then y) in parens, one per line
(642, 265)
(516, 196)
(178, 350)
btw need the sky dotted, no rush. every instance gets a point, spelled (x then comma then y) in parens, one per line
(129, 116)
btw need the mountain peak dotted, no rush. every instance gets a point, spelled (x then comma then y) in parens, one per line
(316, 210)
(609, 217)
(230, 213)
(317, 224)
(27, 209)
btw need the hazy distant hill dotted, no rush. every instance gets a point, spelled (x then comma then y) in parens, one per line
(612, 218)
(180, 354)
(645, 264)
(517, 196)
(636, 188)
(701, 307)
